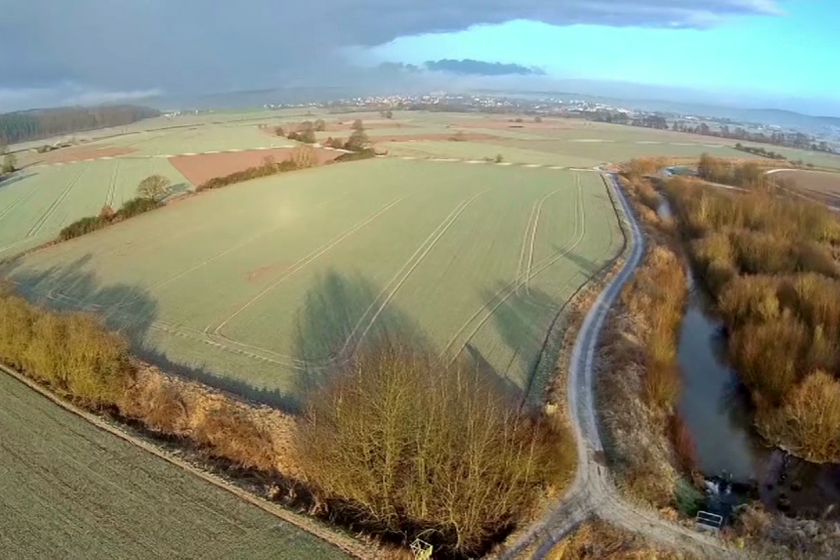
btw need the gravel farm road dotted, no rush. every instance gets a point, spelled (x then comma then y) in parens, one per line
(593, 493)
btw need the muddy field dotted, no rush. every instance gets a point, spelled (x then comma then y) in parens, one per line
(199, 169)
(819, 185)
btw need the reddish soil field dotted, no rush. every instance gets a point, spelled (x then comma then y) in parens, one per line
(81, 153)
(818, 185)
(201, 168)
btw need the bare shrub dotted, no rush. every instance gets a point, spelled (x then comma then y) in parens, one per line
(748, 299)
(662, 385)
(767, 355)
(158, 404)
(72, 352)
(809, 421)
(304, 157)
(16, 321)
(405, 444)
(598, 540)
(228, 433)
(684, 448)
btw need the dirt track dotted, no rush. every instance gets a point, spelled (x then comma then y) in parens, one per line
(593, 492)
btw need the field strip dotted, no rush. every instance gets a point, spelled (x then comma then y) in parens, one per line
(56, 203)
(542, 266)
(430, 242)
(27, 194)
(521, 264)
(303, 263)
(534, 235)
(342, 542)
(512, 287)
(112, 188)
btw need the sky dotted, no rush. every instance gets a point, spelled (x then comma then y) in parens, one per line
(760, 53)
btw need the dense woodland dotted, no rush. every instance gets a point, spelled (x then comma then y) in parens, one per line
(770, 263)
(36, 124)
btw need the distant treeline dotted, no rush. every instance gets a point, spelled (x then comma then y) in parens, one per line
(787, 139)
(23, 126)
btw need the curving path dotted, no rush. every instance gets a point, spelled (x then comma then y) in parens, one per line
(593, 492)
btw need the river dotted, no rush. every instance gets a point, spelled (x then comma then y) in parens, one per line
(717, 410)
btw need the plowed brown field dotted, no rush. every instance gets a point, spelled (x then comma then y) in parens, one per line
(201, 168)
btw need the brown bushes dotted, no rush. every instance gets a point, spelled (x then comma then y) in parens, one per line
(71, 352)
(598, 540)
(810, 416)
(226, 432)
(769, 263)
(267, 169)
(409, 446)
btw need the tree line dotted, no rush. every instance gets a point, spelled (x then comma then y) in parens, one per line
(769, 262)
(796, 140)
(22, 126)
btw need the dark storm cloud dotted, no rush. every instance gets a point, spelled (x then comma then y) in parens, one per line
(469, 67)
(200, 45)
(465, 67)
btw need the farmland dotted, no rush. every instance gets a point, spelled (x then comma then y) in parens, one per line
(254, 288)
(819, 185)
(72, 490)
(268, 283)
(38, 202)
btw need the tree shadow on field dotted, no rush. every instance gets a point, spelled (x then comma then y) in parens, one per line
(129, 310)
(126, 309)
(334, 325)
(523, 321)
(11, 179)
(340, 316)
(590, 267)
(177, 190)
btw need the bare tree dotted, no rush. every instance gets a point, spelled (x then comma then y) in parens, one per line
(153, 187)
(357, 125)
(9, 163)
(320, 125)
(304, 157)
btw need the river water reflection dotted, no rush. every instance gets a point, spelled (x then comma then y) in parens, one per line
(717, 410)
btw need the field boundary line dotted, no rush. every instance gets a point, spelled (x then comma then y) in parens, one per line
(344, 543)
(54, 206)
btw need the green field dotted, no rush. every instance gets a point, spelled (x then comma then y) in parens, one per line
(69, 490)
(272, 281)
(36, 203)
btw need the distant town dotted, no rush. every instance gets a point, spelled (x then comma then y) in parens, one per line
(828, 139)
